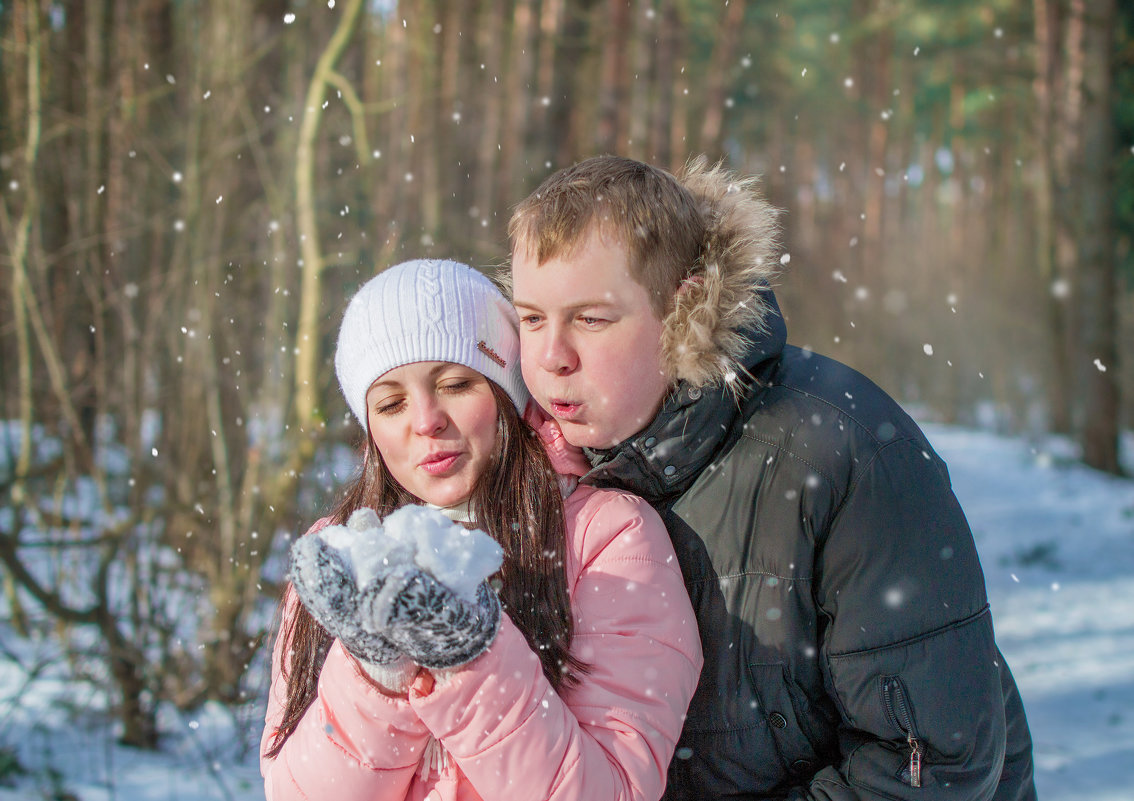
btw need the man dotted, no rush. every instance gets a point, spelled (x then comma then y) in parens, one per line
(848, 643)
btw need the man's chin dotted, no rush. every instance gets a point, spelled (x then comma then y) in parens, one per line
(580, 435)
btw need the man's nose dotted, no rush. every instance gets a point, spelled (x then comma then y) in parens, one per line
(558, 354)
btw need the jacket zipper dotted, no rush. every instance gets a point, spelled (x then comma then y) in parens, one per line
(894, 697)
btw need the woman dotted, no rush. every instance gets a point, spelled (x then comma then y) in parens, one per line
(572, 682)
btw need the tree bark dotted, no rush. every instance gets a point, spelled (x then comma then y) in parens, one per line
(452, 118)
(610, 127)
(491, 29)
(18, 233)
(718, 76)
(643, 45)
(552, 15)
(391, 208)
(1098, 283)
(1046, 89)
(660, 151)
(426, 185)
(877, 95)
(307, 414)
(567, 108)
(519, 101)
(1067, 152)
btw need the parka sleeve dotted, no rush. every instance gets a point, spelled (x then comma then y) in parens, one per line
(354, 743)
(908, 651)
(611, 736)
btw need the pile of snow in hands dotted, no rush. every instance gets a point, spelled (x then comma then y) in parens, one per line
(458, 557)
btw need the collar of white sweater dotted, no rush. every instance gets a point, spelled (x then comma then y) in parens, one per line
(459, 513)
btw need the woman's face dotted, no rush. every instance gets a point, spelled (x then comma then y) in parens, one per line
(435, 425)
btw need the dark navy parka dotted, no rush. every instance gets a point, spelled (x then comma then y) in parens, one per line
(849, 649)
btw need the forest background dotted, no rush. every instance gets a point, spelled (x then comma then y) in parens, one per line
(189, 192)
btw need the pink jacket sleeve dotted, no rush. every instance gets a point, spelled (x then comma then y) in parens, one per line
(612, 736)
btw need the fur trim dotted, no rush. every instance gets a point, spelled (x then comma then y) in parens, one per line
(702, 337)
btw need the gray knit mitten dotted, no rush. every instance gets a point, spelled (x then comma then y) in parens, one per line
(429, 622)
(325, 583)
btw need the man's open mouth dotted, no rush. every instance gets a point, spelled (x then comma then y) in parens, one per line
(564, 409)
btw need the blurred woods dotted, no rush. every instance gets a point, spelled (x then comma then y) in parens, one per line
(189, 192)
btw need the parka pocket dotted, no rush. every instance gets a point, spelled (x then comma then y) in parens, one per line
(725, 726)
(899, 711)
(796, 728)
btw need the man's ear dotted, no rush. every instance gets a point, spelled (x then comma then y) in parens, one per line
(688, 331)
(680, 295)
(687, 284)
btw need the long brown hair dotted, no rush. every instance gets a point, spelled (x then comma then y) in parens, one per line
(517, 501)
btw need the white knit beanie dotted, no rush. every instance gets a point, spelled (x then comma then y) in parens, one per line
(427, 310)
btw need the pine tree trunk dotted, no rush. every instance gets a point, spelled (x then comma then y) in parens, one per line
(1067, 152)
(519, 100)
(1098, 283)
(491, 100)
(643, 47)
(877, 93)
(610, 128)
(568, 108)
(660, 151)
(717, 78)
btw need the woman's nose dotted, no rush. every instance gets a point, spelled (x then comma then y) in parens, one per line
(429, 418)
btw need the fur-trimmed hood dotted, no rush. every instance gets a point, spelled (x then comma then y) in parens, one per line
(726, 303)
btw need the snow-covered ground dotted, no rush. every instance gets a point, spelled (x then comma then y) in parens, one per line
(1057, 544)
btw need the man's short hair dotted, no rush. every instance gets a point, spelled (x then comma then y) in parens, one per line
(642, 207)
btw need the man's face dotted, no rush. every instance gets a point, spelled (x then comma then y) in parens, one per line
(590, 342)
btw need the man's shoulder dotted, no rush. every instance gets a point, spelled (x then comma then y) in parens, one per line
(826, 412)
(805, 382)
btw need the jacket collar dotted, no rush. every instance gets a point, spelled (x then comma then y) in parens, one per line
(663, 460)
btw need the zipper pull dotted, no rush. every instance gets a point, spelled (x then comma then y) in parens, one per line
(915, 762)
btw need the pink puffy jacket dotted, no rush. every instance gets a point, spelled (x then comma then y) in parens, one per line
(504, 732)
